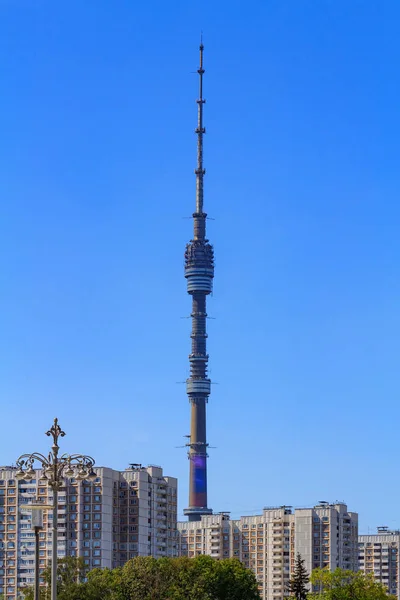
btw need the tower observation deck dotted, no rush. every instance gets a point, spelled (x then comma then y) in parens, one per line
(199, 273)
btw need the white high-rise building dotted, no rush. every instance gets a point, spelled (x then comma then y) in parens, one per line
(117, 517)
(378, 554)
(264, 543)
(325, 536)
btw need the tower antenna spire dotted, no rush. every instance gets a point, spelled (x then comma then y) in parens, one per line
(200, 130)
(199, 273)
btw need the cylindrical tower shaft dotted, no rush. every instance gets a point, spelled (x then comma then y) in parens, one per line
(199, 273)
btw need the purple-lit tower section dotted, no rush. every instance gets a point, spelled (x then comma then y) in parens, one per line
(199, 273)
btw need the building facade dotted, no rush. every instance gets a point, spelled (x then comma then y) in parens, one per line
(325, 536)
(378, 554)
(106, 522)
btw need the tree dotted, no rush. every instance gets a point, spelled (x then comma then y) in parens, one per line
(234, 581)
(103, 584)
(71, 574)
(347, 585)
(200, 578)
(148, 578)
(298, 584)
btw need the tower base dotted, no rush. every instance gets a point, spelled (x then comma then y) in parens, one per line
(194, 513)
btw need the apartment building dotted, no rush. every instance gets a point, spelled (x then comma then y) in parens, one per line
(325, 535)
(118, 516)
(378, 554)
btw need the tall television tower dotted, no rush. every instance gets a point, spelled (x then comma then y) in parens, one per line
(199, 273)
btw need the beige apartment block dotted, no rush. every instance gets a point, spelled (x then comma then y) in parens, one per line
(325, 535)
(378, 554)
(106, 522)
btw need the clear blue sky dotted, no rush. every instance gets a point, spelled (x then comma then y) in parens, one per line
(97, 113)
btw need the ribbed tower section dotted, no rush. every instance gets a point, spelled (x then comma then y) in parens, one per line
(199, 273)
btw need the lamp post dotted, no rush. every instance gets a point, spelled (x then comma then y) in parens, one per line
(55, 469)
(37, 522)
(36, 511)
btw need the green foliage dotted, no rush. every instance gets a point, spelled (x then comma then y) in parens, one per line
(104, 584)
(29, 593)
(298, 585)
(71, 574)
(200, 578)
(147, 578)
(347, 585)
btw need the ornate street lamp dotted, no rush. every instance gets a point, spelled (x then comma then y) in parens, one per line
(55, 469)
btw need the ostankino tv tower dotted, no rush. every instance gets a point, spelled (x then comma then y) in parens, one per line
(199, 273)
